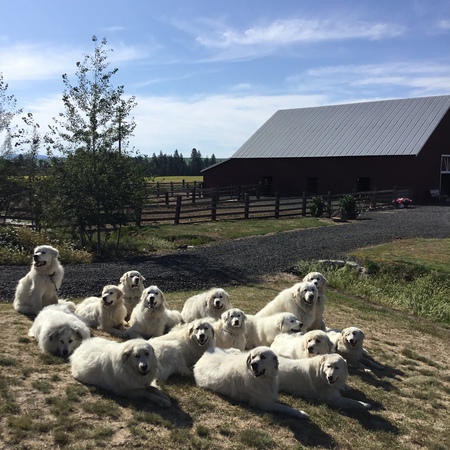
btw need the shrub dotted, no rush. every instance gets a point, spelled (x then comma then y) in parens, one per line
(349, 207)
(317, 206)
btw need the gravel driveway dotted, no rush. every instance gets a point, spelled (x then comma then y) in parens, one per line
(243, 261)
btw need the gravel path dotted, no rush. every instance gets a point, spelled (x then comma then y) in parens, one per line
(243, 261)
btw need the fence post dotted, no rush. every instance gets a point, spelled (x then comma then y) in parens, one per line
(246, 205)
(217, 193)
(304, 203)
(373, 203)
(277, 205)
(329, 204)
(178, 210)
(171, 188)
(157, 188)
(193, 194)
(238, 194)
(166, 196)
(213, 208)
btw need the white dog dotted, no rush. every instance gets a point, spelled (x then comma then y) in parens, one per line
(300, 300)
(206, 304)
(320, 281)
(132, 285)
(262, 330)
(230, 329)
(126, 368)
(178, 350)
(318, 378)
(150, 317)
(58, 330)
(295, 346)
(106, 313)
(349, 344)
(39, 287)
(250, 377)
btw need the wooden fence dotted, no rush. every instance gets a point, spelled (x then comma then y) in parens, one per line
(196, 204)
(190, 202)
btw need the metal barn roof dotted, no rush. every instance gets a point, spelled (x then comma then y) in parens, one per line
(381, 128)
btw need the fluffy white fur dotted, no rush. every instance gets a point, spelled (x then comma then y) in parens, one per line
(319, 378)
(58, 330)
(150, 317)
(250, 377)
(230, 329)
(132, 285)
(178, 350)
(106, 313)
(320, 281)
(262, 330)
(349, 344)
(39, 287)
(297, 346)
(300, 300)
(126, 368)
(211, 303)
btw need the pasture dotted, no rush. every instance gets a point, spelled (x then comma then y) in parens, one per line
(42, 406)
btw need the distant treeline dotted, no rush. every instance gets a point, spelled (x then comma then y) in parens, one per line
(156, 165)
(176, 164)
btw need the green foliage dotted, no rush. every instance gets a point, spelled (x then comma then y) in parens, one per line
(349, 207)
(96, 185)
(402, 287)
(317, 206)
(18, 244)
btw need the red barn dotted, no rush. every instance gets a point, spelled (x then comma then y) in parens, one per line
(342, 148)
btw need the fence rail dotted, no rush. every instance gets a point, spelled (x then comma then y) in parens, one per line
(190, 202)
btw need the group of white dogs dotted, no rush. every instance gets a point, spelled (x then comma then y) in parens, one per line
(285, 347)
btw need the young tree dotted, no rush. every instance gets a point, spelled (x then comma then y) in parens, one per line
(10, 184)
(95, 180)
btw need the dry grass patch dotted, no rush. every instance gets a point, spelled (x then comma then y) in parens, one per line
(42, 406)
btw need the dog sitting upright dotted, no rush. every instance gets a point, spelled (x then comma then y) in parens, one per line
(39, 287)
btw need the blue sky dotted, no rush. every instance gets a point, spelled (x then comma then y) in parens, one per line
(207, 74)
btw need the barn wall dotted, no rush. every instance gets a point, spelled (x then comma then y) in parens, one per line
(290, 176)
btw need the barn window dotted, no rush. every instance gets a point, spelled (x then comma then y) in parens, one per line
(363, 184)
(312, 185)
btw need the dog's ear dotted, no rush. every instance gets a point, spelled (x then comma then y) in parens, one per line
(120, 294)
(322, 360)
(127, 353)
(53, 251)
(249, 359)
(281, 323)
(275, 361)
(296, 289)
(330, 346)
(142, 278)
(123, 278)
(191, 328)
(362, 334)
(343, 332)
(81, 333)
(54, 334)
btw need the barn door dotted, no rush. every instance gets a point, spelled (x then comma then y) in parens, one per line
(444, 182)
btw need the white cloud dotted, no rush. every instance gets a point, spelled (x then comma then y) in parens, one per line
(265, 39)
(46, 61)
(410, 79)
